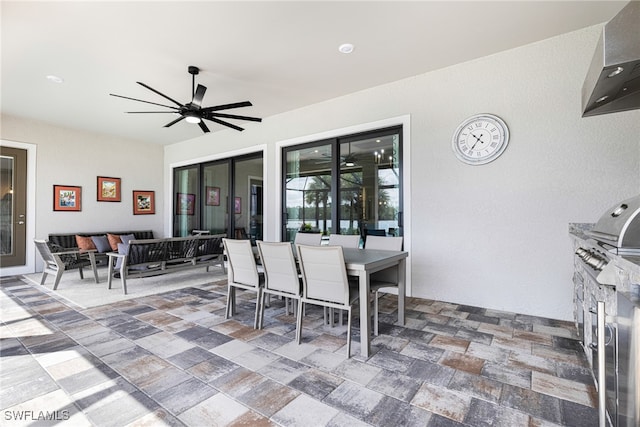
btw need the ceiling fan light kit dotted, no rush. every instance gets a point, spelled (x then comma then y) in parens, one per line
(193, 112)
(192, 118)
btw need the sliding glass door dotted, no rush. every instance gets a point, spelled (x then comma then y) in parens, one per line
(355, 180)
(220, 197)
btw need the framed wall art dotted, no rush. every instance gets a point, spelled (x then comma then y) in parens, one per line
(144, 202)
(213, 196)
(237, 205)
(185, 203)
(108, 189)
(67, 198)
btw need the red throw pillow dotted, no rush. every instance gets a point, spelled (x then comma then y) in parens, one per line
(85, 243)
(114, 239)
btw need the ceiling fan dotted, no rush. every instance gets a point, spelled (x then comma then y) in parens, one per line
(193, 112)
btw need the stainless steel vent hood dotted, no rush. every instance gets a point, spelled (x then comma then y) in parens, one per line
(613, 80)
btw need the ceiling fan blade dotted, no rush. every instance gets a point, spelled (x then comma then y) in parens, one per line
(160, 93)
(149, 112)
(174, 122)
(203, 126)
(233, 116)
(222, 122)
(197, 97)
(140, 100)
(228, 106)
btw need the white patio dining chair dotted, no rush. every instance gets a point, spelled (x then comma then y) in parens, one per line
(242, 272)
(345, 240)
(312, 239)
(385, 281)
(325, 283)
(280, 273)
(384, 243)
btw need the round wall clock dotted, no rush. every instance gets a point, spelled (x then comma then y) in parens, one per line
(480, 139)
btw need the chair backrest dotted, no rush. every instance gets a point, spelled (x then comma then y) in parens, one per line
(345, 240)
(374, 232)
(324, 273)
(45, 252)
(280, 270)
(242, 263)
(386, 243)
(309, 239)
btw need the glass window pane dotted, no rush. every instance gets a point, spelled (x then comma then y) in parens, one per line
(308, 190)
(6, 205)
(185, 201)
(247, 202)
(215, 178)
(370, 183)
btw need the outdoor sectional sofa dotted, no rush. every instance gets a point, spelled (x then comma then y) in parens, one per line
(150, 257)
(69, 241)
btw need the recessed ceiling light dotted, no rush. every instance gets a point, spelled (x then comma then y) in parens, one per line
(55, 79)
(346, 48)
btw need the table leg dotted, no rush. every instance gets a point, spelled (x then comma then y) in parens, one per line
(365, 314)
(111, 262)
(92, 259)
(402, 265)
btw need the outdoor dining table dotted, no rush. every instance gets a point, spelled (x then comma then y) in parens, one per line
(361, 263)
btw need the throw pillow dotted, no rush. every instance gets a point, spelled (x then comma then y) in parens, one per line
(123, 249)
(126, 237)
(101, 243)
(85, 243)
(114, 239)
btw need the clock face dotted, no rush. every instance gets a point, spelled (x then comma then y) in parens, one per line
(480, 139)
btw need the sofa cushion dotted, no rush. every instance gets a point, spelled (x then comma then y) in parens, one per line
(125, 238)
(123, 249)
(114, 239)
(85, 243)
(101, 243)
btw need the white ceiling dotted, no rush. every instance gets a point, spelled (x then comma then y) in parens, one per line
(278, 55)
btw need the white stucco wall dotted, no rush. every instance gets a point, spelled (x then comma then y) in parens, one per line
(495, 235)
(71, 157)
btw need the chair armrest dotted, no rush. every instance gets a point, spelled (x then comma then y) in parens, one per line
(115, 255)
(69, 252)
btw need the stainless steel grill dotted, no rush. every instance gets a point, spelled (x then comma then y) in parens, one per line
(606, 323)
(618, 229)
